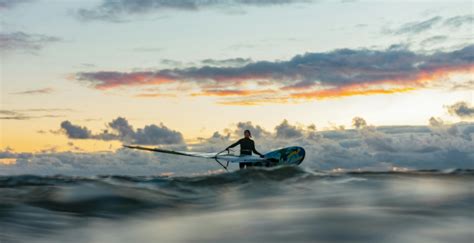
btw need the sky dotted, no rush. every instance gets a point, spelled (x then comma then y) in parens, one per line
(87, 76)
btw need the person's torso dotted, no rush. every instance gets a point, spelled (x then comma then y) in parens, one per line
(246, 146)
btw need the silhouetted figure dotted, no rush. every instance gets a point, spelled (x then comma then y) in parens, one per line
(247, 146)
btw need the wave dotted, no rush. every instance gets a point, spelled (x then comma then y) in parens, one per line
(118, 195)
(240, 176)
(41, 206)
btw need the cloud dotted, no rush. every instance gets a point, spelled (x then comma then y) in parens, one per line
(256, 130)
(232, 92)
(9, 4)
(119, 129)
(436, 122)
(468, 85)
(359, 122)
(107, 79)
(76, 132)
(333, 74)
(285, 130)
(35, 91)
(368, 148)
(115, 11)
(233, 62)
(377, 141)
(458, 21)
(433, 40)
(28, 114)
(21, 41)
(417, 27)
(462, 110)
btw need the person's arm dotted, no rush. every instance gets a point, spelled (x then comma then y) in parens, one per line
(234, 144)
(255, 151)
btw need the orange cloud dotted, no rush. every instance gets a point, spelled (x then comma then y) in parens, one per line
(154, 95)
(394, 86)
(107, 80)
(256, 101)
(233, 92)
(338, 73)
(341, 92)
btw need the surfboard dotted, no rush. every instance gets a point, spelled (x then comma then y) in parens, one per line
(284, 156)
(287, 156)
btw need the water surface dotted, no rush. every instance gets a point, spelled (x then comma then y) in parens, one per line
(286, 204)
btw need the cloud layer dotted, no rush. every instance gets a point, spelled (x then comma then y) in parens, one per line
(462, 109)
(119, 129)
(8, 4)
(338, 73)
(27, 114)
(367, 148)
(21, 41)
(35, 91)
(417, 27)
(115, 11)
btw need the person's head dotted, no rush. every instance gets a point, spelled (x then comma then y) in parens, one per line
(247, 134)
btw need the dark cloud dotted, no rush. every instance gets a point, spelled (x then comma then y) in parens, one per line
(21, 41)
(433, 40)
(436, 122)
(74, 131)
(120, 129)
(285, 130)
(8, 112)
(47, 110)
(417, 26)
(218, 137)
(124, 129)
(468, 132)
(171, 62)
(343, 72)
(27, 114)
(359, 122)
(468, 85)
(153, 134)
(461, 109)
(257, 131)
(232, 62)
(9, 4)
(458, 21)
(35, 91)
(116, 10)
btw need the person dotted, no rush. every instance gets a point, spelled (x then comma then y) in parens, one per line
(247, 146)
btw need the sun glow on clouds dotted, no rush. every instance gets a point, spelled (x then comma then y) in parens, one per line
(344, 92)
(335, 74)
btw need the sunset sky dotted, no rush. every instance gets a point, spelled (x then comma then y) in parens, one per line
(179, 70)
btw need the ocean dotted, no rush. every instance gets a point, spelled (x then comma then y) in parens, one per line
(283, 204)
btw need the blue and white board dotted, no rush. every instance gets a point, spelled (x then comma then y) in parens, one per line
(285, 156)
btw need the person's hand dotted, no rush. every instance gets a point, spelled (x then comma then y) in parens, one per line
(262, 156)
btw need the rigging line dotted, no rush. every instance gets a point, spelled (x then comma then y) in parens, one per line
(217, 160)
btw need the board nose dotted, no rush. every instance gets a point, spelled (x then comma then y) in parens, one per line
(301, 154)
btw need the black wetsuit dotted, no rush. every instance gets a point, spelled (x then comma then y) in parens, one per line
(247, 146)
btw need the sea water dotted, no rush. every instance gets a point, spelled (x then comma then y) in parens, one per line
(285, 204)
